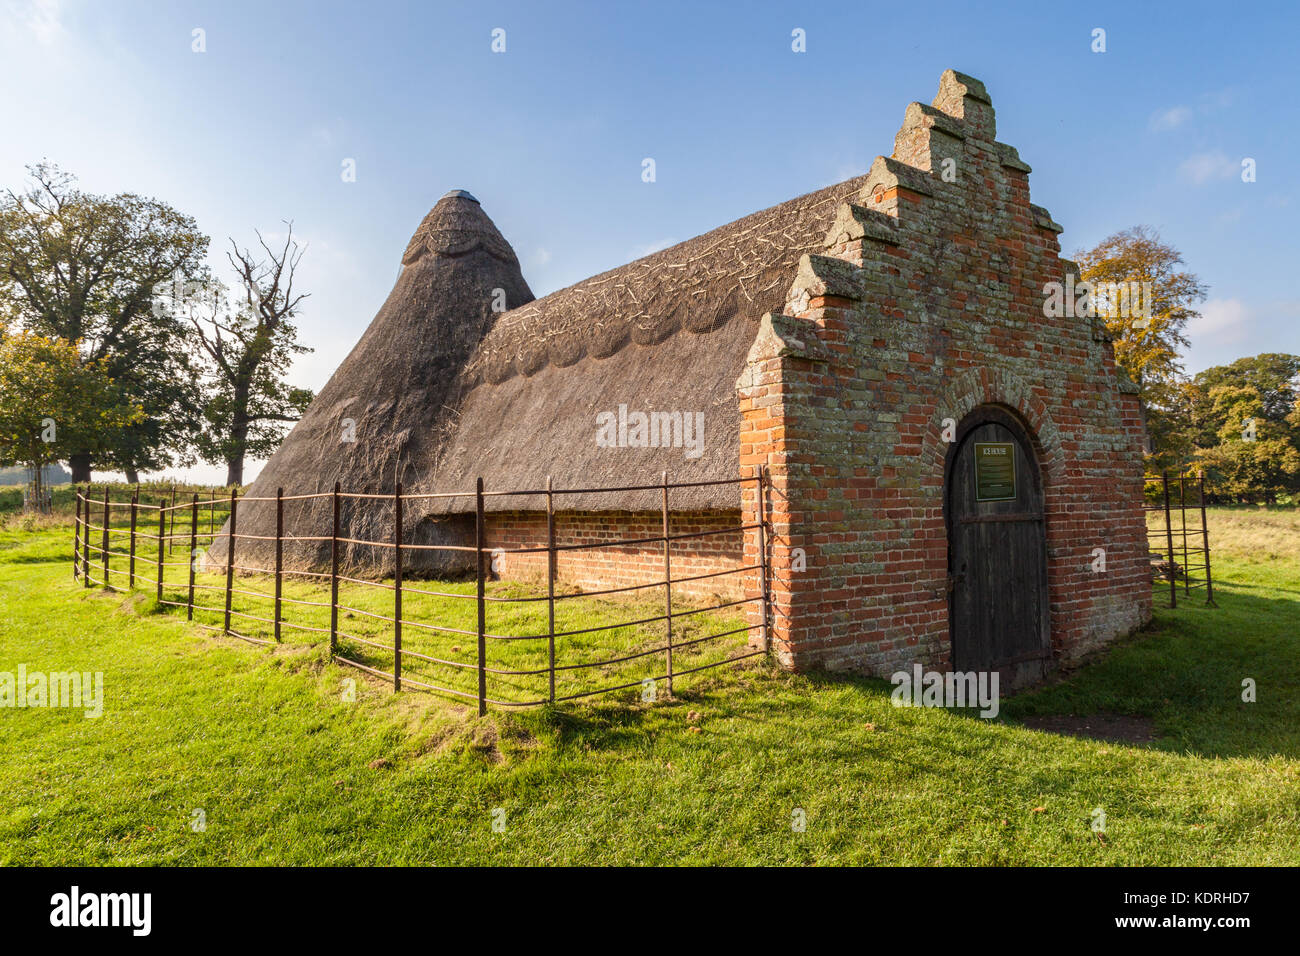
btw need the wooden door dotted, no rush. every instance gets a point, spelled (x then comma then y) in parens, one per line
(997, 551)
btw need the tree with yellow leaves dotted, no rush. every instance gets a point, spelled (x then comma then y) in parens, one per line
(1147, 344)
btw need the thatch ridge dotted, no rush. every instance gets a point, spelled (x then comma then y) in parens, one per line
(742, 268)
(450, 230)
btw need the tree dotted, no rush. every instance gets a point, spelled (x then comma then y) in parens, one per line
(51, 401)
(82, 268)
(8, 309)
(1272, 376)
(250, 344)
(1177, 429)
(1147, 345)
(1243, 471)
(1252, 409)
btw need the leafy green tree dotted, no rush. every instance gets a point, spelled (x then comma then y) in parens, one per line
(1272, 376)
(1250, 410)
(51, 401)
(82, 268)
(1240, 471)
(1173, 431)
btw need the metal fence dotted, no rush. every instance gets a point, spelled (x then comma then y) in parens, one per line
(531, 656)
(1179, 551)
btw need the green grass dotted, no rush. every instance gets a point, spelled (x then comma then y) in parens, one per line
(1253, 534)
(439, 641)
(262, 740)
(65, 496)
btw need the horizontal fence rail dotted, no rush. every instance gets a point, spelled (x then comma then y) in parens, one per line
(503, 644)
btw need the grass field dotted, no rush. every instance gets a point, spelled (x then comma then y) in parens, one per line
(439, 643)
(286, 770)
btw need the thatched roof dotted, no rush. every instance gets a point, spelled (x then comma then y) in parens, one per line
(669, 332)
(441, 394)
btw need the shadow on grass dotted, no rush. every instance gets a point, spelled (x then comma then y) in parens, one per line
(1242, 586)
(1187, 673)
(1184, 673)
(37, 559)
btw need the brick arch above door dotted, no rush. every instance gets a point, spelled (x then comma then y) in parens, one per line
(973, 387)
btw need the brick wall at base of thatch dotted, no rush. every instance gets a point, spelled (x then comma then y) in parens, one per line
(622, 566)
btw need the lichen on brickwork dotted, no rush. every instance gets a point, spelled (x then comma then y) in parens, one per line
(927, 298)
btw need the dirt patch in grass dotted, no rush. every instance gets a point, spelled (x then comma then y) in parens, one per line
(1119, 728)
(486, 743)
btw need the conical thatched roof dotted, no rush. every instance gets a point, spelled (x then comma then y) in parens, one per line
(394, 386)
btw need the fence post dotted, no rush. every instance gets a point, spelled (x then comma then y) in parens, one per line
(397, 587)
(279, 557)
(85, 540)
(230, 554)
(482, 605)
(162, 528)
(104, 542)
(1205, 537)
(76, 540)
(193, 558)
(762, 557)
(334, 577)
(1182, 507)
(172, 525)
(550, 583)
(668, 586)
(1169, 539)
(135, 501)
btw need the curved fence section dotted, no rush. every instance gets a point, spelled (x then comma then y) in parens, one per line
(479, 636)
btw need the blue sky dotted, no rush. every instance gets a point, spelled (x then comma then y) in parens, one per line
(550, 135)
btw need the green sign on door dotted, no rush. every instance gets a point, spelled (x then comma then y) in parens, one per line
(995, 470)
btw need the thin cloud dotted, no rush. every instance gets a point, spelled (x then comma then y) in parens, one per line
(1218, 100)
(1172, 118)
(1221, 322)
(1207, 167)
(42, 18)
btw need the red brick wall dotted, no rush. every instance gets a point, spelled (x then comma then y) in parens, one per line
(926, 304)
(593, 569)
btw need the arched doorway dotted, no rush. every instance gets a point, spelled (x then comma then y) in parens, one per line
(998, 608)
